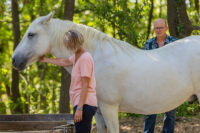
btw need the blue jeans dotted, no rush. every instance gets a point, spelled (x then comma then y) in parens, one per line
(85, 125)
(169, 119)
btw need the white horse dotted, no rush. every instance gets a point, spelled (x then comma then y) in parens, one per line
(128, 79)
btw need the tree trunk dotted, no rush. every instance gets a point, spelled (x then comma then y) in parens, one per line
(179, 23)
(64, 92)
(65, 77)
(150, 19)
(69, 9)
(15, 73)
(197, 5)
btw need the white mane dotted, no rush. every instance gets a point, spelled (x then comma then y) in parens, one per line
(59, 27)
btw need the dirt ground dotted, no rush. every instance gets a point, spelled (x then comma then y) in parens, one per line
(135, 125)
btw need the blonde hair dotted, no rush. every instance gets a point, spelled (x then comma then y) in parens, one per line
(73, 40)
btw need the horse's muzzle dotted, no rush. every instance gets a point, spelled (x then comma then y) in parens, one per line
(19, 63)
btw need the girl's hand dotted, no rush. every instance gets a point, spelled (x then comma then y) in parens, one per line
(42, 58)
(78, 116)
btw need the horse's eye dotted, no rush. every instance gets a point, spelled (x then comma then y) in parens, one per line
(31, 34)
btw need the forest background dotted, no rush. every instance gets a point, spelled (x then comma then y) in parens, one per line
(43, 88)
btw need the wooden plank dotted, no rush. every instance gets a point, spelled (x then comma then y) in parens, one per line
(67, 128)
(43, 131)
(29, 125)
(36, 117)
(30, 122)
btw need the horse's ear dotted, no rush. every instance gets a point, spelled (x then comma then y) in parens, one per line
(48, 17)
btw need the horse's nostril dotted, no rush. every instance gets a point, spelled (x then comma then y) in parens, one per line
(22, 65)
(13, 61)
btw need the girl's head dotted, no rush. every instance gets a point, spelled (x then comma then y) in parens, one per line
(73, 40)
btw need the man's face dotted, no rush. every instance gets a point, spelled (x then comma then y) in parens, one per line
(160, 28)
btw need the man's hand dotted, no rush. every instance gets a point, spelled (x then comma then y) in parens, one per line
(78, 116)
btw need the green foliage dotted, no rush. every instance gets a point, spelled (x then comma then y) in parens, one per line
(121, 20)
(2, 7)
(2, 108)
(40, 83)
(121, 115)
(187, 109)
(37, 80)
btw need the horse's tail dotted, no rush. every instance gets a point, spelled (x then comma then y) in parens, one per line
(101, 125)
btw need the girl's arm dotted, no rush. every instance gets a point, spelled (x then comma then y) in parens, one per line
(85, 82)
(58, 61)
(79, 110)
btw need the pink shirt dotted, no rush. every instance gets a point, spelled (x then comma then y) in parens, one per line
(84, 67)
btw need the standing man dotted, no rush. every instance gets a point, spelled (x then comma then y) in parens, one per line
(161, 39)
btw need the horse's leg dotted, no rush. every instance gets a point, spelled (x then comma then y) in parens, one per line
(101, 125)
(110, 115)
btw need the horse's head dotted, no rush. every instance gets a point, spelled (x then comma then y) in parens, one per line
(35, 43)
